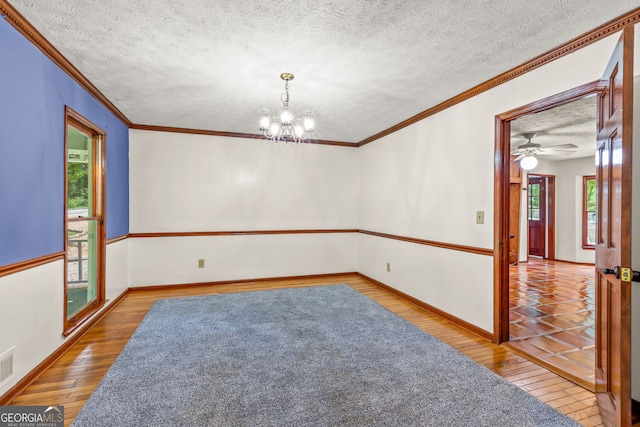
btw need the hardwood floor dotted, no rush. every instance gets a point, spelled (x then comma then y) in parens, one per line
(552, 316)
(72, 379)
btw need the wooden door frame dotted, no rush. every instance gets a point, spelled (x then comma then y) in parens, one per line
(550, 219)
(502, 167)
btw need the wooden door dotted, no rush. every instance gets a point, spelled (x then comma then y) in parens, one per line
(613, 241)
(536, 214)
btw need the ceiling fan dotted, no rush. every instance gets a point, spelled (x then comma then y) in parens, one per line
(526, 153)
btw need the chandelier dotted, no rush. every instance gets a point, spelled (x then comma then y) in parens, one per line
(286, 127)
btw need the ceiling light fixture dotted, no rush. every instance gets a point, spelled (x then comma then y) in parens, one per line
(528, 162)
(286, 127)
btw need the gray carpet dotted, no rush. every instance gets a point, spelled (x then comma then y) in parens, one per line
(315, 356)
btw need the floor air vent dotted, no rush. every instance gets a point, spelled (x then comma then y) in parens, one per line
(6, 365)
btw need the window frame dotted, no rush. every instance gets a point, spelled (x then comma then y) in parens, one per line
(98, 137)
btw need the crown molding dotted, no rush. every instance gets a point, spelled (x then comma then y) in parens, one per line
(231, 134)
(26, 29)
(586, 39)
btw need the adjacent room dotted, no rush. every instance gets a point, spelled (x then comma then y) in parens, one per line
(320, 213)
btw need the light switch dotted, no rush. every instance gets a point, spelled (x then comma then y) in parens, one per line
(480, 217)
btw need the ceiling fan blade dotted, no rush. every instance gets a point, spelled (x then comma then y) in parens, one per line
(556, 153)
(559, 150)
(520, 157)
(562, 146)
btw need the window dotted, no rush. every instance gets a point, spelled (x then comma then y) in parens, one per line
(84, 223)
(533, 202)
(589, 212)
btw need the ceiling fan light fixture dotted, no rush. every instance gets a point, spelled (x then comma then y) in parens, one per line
(528, 162)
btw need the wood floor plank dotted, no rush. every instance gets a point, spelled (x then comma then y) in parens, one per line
(72, 379)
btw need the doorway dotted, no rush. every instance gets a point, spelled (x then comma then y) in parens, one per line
(551, 311)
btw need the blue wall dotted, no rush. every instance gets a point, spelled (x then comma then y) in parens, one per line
(33, 95)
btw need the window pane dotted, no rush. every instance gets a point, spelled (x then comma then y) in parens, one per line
(535, 202)
(589, 216)
(82, 257)
(79, 188)
(81, 265)
(591, 195)
(591, 233)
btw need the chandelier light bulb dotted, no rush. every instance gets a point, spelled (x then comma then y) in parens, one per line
(286, 117)
(299, 129)
(528, 162)
(265, 119)
(308, 121)
(274, 128)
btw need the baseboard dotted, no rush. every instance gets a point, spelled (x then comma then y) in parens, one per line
(433, 310)
(228, 282)
(35, 373)
(574, 262)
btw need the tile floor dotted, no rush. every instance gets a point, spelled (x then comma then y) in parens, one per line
(552, 315)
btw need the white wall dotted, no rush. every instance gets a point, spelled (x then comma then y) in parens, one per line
(568, 211)
(428, 180)
(31, 309)
(117, 270)
(31, 312)
(181, 182)
(432, 275)
(174, 260)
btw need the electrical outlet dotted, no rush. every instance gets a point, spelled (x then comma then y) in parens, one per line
(201, 263)
(480, 217)
(388, 266)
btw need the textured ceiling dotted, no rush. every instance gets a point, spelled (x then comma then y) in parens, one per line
(573, 123)
(362, 65)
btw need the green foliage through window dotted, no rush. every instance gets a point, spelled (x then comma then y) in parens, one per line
(78, 184)
(533, 203)
(590, 191)
(589, 214)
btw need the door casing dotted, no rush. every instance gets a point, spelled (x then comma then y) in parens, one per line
(502, 166)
